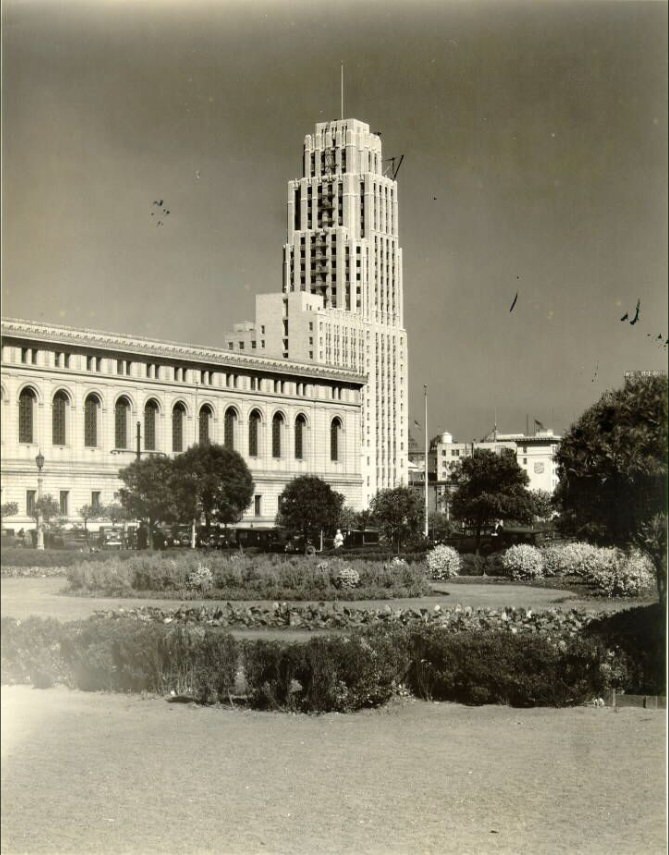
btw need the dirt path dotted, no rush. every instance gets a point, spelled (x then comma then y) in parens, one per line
(23, 597)
(94, 773)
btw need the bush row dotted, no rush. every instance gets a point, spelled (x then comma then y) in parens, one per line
(260, 577)
(334, 673)
(608, 572)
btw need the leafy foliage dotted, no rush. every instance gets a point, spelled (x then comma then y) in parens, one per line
(309, 504)
(490, 487)
(149, 491)
(523, 561)
(206, 480)
(48, 507)
(247, 577)
(638, 638)
(211, 481)
(502, 668)
(8, 509)
(543, 508)
(612, 465)
(398, 513)
(443, 562)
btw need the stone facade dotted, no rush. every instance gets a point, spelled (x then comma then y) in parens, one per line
(81, 397)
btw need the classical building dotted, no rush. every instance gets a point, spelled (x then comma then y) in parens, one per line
(91, 401)
(342, 300)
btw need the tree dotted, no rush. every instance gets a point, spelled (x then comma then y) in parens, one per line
(398, 512)
(48, 507)
(348, 518)
(213, 482)
(543, 507)
(441, 527)
(612, 463)
(308, 504)
(612, 468)
(490, 487)
(115, 513)
(8, 509)
(149, 491)
(89, 512)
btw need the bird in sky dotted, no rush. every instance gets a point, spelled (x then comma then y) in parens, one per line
(626, 316)
(636, 313)
(515, 300)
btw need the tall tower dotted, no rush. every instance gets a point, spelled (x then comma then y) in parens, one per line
(343, 246)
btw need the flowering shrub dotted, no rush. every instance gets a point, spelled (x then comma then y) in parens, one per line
(580, 559)
(443, 562)
(522, 562)
(347, 577)
(622, 575)
(201, 579)
(554, 560)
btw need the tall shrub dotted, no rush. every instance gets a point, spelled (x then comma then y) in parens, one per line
(522, 561)
(443, 562)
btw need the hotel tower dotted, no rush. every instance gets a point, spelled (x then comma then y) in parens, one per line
(342, 302)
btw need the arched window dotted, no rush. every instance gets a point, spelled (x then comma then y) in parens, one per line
(300, 424)
(27, 400)
(335, 429)
(178, 413)
(91, 409)
(150, 413)
(277, 428)
(254, 431)
(121, 414)
(204, 425)
(229, 424)
(59, 418)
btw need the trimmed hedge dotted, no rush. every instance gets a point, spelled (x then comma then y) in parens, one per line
(329, 674)
(123, 655)
(502, 668)
(637, 638)
(510, 658)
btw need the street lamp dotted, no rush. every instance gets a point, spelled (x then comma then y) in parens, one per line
(39, 460)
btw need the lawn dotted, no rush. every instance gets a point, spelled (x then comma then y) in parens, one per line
(42, 597)
(113, 773)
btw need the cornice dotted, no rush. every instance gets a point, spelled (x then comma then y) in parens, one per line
(159, 348)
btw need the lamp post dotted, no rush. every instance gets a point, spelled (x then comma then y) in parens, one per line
(39, 460)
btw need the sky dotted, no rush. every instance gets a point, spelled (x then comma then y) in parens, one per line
(534, 137)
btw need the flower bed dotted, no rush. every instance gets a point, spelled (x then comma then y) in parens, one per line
(242, 577)
(330, 617)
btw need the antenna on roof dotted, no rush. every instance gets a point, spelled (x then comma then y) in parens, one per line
(342, 91)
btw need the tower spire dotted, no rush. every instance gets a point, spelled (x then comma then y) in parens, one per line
(342, 90)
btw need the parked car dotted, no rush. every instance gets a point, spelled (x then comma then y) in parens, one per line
(112, 540)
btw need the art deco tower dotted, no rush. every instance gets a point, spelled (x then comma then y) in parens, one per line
(343, 245)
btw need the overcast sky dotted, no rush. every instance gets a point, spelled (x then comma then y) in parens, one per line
(535, 143)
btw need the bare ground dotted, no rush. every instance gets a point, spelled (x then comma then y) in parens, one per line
(96, 773)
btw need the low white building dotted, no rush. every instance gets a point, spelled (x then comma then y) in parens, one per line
(91, 401)
(535, 455)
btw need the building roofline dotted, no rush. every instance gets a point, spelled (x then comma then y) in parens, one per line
(102, 340)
